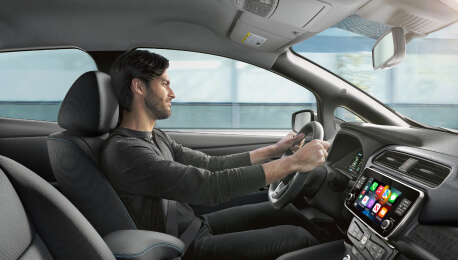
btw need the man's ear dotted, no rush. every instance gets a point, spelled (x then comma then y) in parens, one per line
(137, 86)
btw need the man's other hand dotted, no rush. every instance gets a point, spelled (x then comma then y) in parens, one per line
(311, 156)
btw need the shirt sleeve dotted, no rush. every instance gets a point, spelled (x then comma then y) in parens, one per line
(199, 159)
(136, 168)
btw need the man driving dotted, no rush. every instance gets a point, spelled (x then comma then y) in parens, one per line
(146, 166)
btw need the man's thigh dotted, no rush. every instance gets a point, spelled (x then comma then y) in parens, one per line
(253, 216)
(266, 243)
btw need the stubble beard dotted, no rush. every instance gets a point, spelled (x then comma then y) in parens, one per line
(157, 107)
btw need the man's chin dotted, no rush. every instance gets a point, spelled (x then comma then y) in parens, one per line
(165, 116)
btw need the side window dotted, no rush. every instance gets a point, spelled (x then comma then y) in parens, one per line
(213, 92)
(34, 83)
(346, 115)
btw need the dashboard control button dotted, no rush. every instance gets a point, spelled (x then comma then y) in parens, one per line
(359, 236)
(355, 252)
(379, 254)
(401, 209)
(370, 244)
(347, 257)
(352, 226)
(372, 252)
(354, 233)
(364, 240)
(386, 224)
(350, 197)
(360, 246)
(375, 247)
(360, 182)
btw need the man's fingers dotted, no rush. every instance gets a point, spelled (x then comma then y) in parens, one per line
(325, 153)
(325, 144)
(298, 137)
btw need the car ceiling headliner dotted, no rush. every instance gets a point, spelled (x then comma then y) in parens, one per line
(107, 25)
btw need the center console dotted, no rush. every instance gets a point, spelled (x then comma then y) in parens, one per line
(381, 206)
(382, 203)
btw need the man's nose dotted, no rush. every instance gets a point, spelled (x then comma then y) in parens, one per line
(171, 94)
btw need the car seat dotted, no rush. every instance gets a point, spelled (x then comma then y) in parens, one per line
(88, 112)
(38, 222)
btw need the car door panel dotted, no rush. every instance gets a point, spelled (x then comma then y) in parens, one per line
(222, 144)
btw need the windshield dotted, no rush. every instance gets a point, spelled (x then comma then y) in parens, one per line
(423, 87)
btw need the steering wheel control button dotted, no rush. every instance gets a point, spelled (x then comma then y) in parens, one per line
(347, 257)
(386, 225)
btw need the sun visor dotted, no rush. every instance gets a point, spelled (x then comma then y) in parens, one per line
(420, 16)
(269, 24)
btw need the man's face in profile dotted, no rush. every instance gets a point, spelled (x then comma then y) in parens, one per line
(159, 97)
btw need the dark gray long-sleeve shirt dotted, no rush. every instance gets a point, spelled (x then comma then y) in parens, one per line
(146, 167)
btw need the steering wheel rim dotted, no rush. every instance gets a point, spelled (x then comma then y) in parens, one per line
(281, 194)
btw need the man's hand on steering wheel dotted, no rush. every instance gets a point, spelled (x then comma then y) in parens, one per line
(291, 141)
(311, 156)
(285, 186)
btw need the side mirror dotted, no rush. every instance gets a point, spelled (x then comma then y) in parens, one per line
(390, 49)
(301, 118)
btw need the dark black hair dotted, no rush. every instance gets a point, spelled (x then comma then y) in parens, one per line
(143, 65)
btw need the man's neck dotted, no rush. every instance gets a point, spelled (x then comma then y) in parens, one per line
(137, 121)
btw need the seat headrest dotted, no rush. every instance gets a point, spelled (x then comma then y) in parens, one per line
(90, 107)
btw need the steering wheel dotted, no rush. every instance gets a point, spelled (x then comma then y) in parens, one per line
(282, 192)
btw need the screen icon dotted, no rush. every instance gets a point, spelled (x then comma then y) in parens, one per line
(370, 204)
(382, 212)
(376, 207)
(386, 194)
(363, 192)
(360, 196)
(393, 197)
(374, 186)
(364, 202)
(380, 190)
(367, 187)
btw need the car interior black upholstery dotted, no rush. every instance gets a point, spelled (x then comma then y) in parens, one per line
(38, 222)
(88, 112)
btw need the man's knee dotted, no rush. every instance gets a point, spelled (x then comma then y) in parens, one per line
(299, 237)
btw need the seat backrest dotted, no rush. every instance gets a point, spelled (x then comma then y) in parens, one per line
(88, 112)
(38, 222)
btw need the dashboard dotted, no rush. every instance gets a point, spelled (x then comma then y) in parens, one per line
(398, 185)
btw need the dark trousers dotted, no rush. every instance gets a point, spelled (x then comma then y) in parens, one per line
(255, 231)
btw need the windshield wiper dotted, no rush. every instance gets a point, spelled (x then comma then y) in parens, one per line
(422, 125)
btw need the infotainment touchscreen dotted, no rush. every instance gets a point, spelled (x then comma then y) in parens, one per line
(376, 200)
(382, 202)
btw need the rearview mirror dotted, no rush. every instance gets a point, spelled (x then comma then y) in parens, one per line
(301, 118)
(390, 49)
